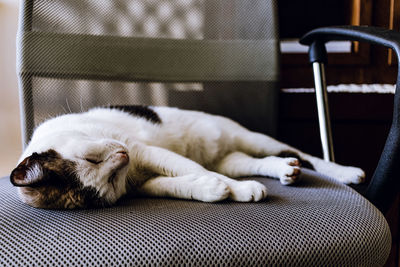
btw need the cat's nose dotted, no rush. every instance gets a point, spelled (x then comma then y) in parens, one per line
(123, 156)
(118, 159)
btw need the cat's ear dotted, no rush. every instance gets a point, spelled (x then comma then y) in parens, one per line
(28, 173)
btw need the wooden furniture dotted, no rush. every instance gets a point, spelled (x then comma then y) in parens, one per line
(365, 63)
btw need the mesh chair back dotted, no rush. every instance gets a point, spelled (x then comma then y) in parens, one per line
(216, 56)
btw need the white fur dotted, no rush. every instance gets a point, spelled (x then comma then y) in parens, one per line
(34, 173)
(183, 151)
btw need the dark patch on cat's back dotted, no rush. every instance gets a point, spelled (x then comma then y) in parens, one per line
(291, 154)
(145, 112)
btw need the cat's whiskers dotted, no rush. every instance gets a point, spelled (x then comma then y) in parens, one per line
(65, 111)
(81, 104)
(69, 108)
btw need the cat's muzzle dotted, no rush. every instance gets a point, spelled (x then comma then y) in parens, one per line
(122, 157)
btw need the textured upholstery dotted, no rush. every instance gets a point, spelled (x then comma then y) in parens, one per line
(317, 222)
(194, 54)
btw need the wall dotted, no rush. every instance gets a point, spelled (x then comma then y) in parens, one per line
(10, 144)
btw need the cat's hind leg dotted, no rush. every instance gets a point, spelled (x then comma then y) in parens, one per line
(260, 145)
(239, 164)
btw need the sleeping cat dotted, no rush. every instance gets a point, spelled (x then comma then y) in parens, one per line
(92, 159)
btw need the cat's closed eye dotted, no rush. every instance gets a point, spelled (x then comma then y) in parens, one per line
(93, 161)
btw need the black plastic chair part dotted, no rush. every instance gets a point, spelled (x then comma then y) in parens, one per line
(385, 182)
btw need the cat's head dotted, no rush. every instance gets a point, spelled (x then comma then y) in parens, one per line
(78, 173)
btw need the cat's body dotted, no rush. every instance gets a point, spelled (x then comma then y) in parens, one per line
(94, 158)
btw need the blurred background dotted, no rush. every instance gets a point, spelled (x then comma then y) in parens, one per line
(10, 137)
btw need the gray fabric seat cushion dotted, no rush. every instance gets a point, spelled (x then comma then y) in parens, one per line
(316, 222)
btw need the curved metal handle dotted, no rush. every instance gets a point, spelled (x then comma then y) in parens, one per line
(385, 183)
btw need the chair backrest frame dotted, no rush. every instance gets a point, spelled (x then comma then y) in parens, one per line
(135, 59)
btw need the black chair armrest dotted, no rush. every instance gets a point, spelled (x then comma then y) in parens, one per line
(385, 182)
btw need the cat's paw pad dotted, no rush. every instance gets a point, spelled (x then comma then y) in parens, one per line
(248, 191)
(350, 175)
(289, 171)
(210, 189)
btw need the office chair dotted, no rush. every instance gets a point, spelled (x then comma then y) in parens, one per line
(216, 56)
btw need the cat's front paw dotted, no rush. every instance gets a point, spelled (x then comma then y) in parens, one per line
(349, 175)
(289, 170)
(247, 191)
(208, 188)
